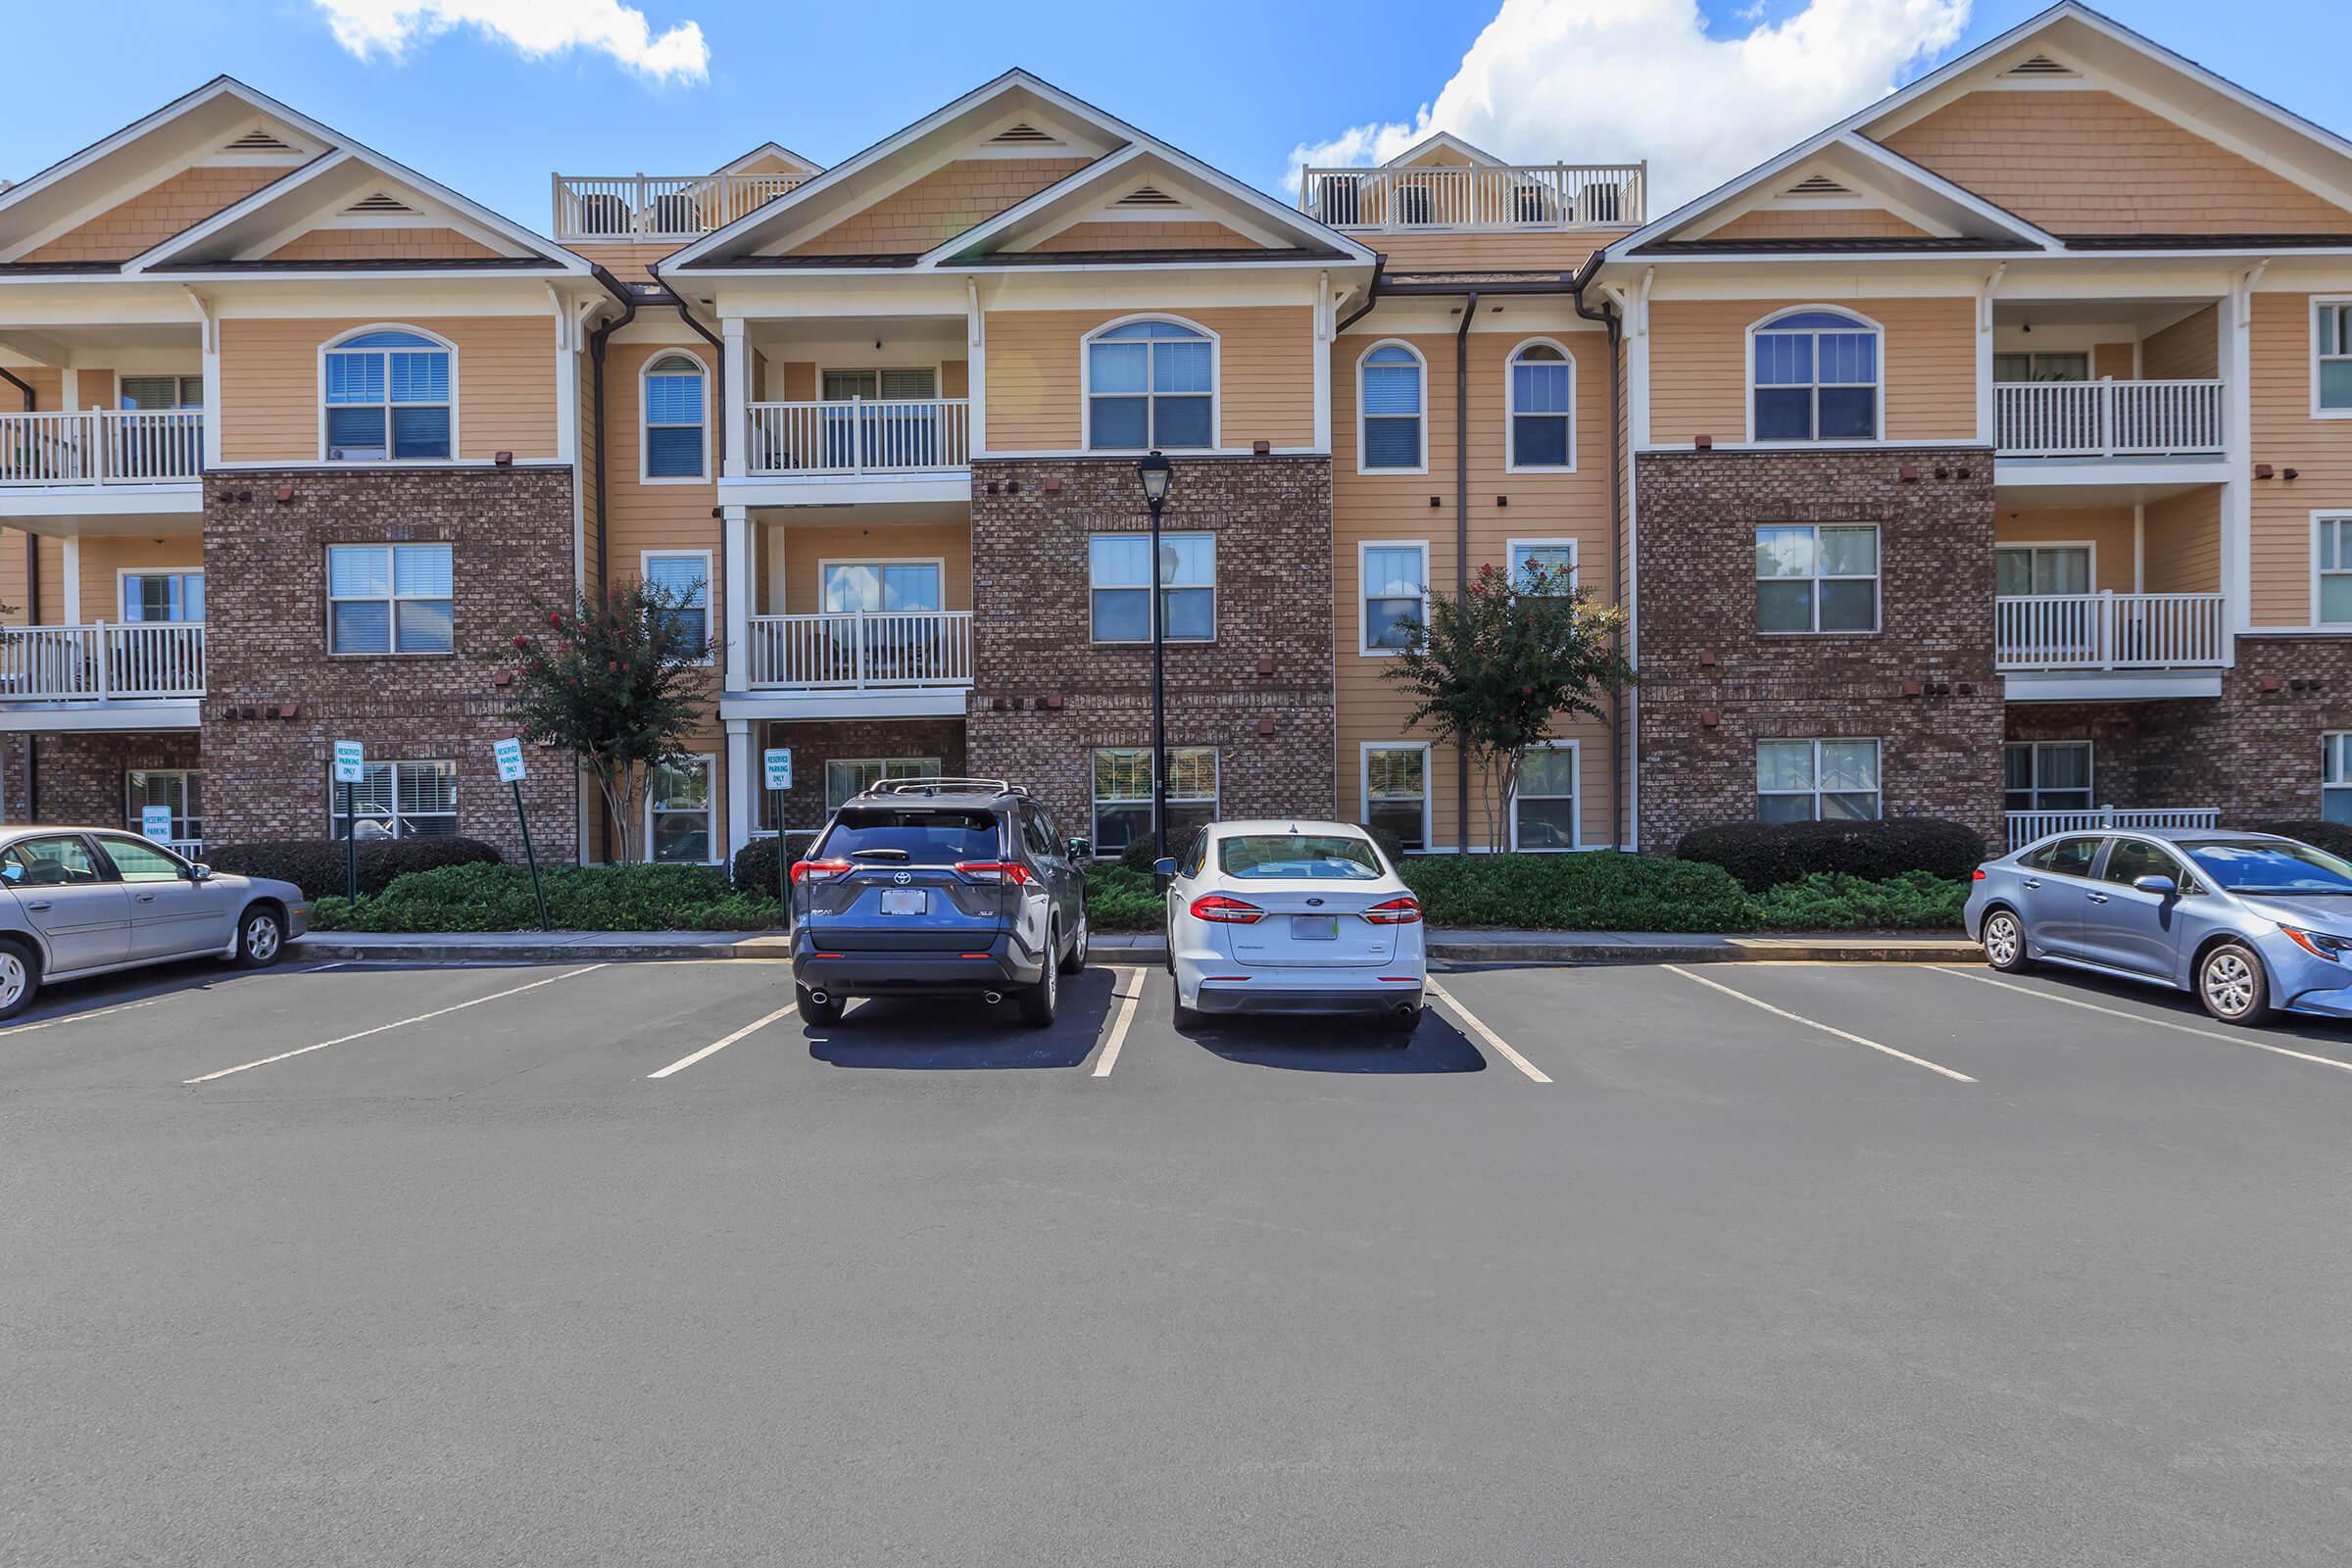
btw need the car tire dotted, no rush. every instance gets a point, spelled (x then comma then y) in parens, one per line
(2233, 985)
(1180, 1015)
(1040, 1001)
(1074, 960)
(19, 978)
(2004, 941)
(261, 937)
(827, 1011)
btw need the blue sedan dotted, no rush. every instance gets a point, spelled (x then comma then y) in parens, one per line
(2250, 923)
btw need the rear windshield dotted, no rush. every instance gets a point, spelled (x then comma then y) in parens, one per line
(905, 836)
(1323, 857)
(2256, 867)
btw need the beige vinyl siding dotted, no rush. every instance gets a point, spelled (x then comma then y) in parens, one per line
(103, 559)
(941, 203)
(2189, 350)
(643, 516)
(383, 244)
(1818, 223)
(1266, 376)
(1698, 366)
(1113, 235)
(2090, 163)
(2112, 361)
(2184, 542)
(2108, 531)
(155, 215)
(589, 538)
(2286, 436)
(805, 550)
(505, 374)
(1471, 251)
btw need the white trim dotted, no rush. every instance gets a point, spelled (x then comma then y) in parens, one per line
(391, 598)
(1877, 580)
(1363, 785)
(707, 762)
(1422, 417)
(2320, 302)
(69, 572)
(1879, 355)
(124, 574)
(1576, 798)
(2091, 775)
(2320, 515)
(1152, 615)
(825, 563)
(332, 344)
(1759, 794)
(1576, 556)
(1363, 630)
(1511, 409)
(1085, 376)
(645, 445)
(645, 558)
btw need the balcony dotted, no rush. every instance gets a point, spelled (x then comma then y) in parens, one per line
(2105, 431)
(2026, 826)
(126, 676)
(657, 209)
(101, 447)
(1488, 197)
(847, 451)
(859, 664)
(2070, 646)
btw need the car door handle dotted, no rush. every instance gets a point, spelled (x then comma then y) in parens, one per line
(2096, 897)
(42, 905)
(146, 898)
(2032, 882)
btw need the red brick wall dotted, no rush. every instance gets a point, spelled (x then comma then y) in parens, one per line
(816, 742)
(81, 781)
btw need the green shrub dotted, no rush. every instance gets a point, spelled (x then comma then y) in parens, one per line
(1828, 901)
(1763, 856)
(754, 868)
(1601, 891)
(1138, 856)
(2334, 837)
(315, 866)
(1390, 844)
(595, 898)
(1118, 899)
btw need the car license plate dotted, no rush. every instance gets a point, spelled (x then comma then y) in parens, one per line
(1315, 927)
(905, 901)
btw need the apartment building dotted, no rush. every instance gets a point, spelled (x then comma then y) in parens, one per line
(1985, 454)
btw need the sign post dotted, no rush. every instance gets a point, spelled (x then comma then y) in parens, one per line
(351, 762)
(156, 823)
(779, 779)
(509, 756)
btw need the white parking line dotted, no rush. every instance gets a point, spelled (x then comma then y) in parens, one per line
(397, 1023)
(1502, 1047)
(1133, 979)
(2141, 1018)
(1815, 1023)
(718, 1046)
(149, 1002)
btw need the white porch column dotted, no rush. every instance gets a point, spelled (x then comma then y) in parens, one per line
(738, 592)
(2237, 441)
(738, 386)
(740, 786)
(70, 569)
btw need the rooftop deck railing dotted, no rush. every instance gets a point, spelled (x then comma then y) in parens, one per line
(1485, 196)
(629, 209)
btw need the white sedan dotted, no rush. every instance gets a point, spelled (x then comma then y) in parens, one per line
(1292, 918)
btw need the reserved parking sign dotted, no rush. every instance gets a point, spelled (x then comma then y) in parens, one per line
(509, 755)
(779, 766)
(351, 762)
(156, 823)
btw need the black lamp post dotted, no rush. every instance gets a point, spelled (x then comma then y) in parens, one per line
(1156, 472)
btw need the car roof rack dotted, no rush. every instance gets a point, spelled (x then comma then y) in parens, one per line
(945, 786)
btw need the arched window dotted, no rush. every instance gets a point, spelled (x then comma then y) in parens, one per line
(1542, 388)
(1815, 376)
(1389, 432)
(390, 393)
(676, 432)
(1151, 383)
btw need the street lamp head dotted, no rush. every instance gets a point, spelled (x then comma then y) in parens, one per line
(1157, 473)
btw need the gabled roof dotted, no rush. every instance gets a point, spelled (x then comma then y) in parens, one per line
(1442, 141)
(771, 152)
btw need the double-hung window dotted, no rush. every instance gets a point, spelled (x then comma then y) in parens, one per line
(846, 776)
(389, 599)
(398, 801)
(676, 428)
(2332, 571)
(1389, 420)
(1542, 394)
(677, 807)
(2046, 776)
(1397, 793)
(1120, 567)
(1543, 797)
(1149, 385)
(1813, 577)
(1544, 567)
(1395, 581)
(163, 391)
(684, 581)
(390, 395)
(1123, 795)
(180, 791)
(1817, 781)
(1816, 378)
(163, 596)
(2336, 775)
(2331, 358)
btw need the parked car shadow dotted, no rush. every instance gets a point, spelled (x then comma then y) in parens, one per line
(963, 1034)
(2326, 1036)
(1338, 1044)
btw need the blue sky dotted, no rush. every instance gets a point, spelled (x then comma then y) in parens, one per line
(1239, 82)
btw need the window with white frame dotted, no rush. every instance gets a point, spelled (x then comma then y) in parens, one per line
(390, 599)
(397, 800)
(2332, 568)
(1150, 384)
(2331, 357)
(1546, 565)
(1389, 426)
(1816, 577)
(161, 391)
(1542, 387)
(2336, 775)
(1543, 797)
(2046, 776)
(676, 424)
(1123, 795)
(163, 596)
(178, 790)
(389, 394)
(1395, 599)
(677, 811)
(1121, 583)
(1397, 793)
(1816, 378)
(1817, 781)
(846, 776)
(684, 581)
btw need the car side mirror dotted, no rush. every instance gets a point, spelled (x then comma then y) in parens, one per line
(200, 872)
(1165, 865)
(1081, 849)
(2164, 887)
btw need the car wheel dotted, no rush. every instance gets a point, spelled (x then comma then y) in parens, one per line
(827, 1011)
(1075, 959)
(1039, 1001)
(260, 938)
(20, 979)
(2005, 939)
(1182, 1016)
(2232, 986)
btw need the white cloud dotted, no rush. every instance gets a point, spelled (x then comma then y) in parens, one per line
(1605, 81)
(537, 28)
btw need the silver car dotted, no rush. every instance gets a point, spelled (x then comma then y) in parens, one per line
(2250, 923)
(84, 900)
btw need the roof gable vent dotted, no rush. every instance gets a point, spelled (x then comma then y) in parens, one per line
(259, 141)
(379, 205)
(1147, 196)
(2040, 66)
(1023, 134)
(1818, 185)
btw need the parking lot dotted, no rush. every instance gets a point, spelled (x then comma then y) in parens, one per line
(623, 1263)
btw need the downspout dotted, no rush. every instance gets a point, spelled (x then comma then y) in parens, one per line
(1618, 740)
(1380, 264)
(33, 617)
(719, 360)
(1461, 536)
(596, 389)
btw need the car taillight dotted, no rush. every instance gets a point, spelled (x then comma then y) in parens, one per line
(1396, 911)
(817, 870)
(995, 870)
(1976, 875)
(1226, 911)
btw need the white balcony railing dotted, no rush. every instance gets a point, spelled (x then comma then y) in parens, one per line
(2108, 631)
(2107, 418)
(628, 208)
(860, 435)
(1477, 197)
(103, 663)
(860, 650)
(102, 445)
(2026, 826)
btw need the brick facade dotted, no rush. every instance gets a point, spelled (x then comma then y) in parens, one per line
(1711, 686)
(80, 772)
(1045, 695)
(279, 700)
(816, 742)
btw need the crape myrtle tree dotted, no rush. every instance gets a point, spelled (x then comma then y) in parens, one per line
(616, 679)
(1496, 668)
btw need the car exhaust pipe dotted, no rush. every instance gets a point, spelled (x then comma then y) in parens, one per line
(819, 998)
(1406, 1009)
(992, 998)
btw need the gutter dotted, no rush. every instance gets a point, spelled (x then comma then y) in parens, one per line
(1461, 536)
(33, 617)
(1619, 828)
(1380, 264)
(595, 384)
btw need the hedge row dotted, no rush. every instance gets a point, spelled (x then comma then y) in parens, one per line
(2334, 837)
(316, 865)
(1761, 856)
(595, 898)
